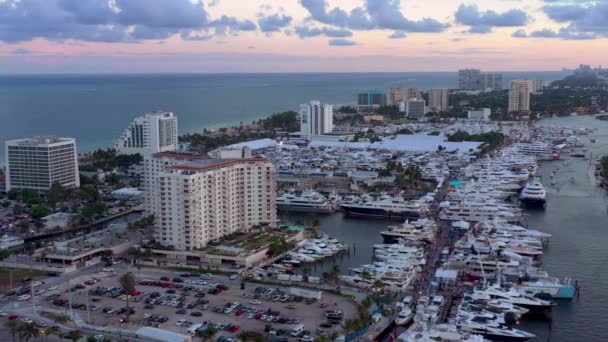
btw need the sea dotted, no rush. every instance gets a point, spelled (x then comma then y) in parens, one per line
(95, 109)
(576, 215)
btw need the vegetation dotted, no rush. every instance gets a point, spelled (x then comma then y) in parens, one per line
(108, 160)
(347, 109)
(40, 211)
(93, 209)
(27, 331)
(127, 282)
(409, 177)
(491, 140)
(405, 131)
(208, 333)
(27, 196)
(286, 121)
(603, 165)
(579, 79)
(602, 117)
(142, 224)
(390, 111)
(278, 246)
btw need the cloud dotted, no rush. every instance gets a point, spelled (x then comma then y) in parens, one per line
(376, 14)
(484, 22)
(307, 32)
(109, 21)
(563, 33)
(274, 23)
(21, 51)
(584, 19)
(398, 35)
(341, 42)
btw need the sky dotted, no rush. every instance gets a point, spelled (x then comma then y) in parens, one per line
(211, 36)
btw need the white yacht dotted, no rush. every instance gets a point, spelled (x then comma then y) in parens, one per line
(405, 316)
(533, 193)
(307, 201)
(421, 230)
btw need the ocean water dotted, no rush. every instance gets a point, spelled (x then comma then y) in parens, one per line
(95, 109)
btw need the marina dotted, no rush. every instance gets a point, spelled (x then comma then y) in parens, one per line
(528, 240)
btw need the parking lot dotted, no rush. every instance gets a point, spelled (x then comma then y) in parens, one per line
(181, 302)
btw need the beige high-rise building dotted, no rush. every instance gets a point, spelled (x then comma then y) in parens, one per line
(536, 86)
(201, 200)
(396, 95)
(438, 99)
(519, 96)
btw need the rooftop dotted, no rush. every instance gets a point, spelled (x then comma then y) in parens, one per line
(209, 164)
(180, 155)
(40, 140)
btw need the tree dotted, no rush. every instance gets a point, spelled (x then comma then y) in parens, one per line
(91, 339)
(55, 194)
(27, 331)
(13, 326)
(40, 211)
(208, 334)
(75, 335)
(127, 282)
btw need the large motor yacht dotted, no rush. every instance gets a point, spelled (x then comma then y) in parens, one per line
(533, 193)
(307, 201)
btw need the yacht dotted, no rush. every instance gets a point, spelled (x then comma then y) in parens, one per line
(421, 230)
(513, 296)
(405, 316)
(385, 206)
(307, 201)
(489, 328)
(533, 193)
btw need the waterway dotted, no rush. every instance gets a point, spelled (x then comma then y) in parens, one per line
(577, 216)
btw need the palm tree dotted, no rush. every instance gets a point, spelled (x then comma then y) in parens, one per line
(91, 339)
(127, 282)
(207, 334)
(27, 331)
(75, 335)
(12, 326)
(243, 337)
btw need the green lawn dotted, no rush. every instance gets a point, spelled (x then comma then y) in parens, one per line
(602, 117)
(18, 275)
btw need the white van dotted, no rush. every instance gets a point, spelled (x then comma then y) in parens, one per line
(297, 329)
(194, 329)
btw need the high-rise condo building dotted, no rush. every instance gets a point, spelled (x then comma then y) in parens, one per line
(519, 96)
(150, 133)
(36, 163)
(415, 108)
(536, 86)
(491, 82)
(396, 95)
(469, 79)
(438, 99)
(473, 79)
(201, 200)
(316, 119)
(371, 101)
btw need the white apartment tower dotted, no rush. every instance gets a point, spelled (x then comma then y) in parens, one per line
(536, 86)
(150, 133)
(415, 108)
(519, 96)
(438, 99)
(316, 119)
(200, 200)
(36, 163)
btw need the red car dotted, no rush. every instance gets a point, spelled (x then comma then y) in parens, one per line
(234, 328)
(239, 312)
(13, 318)
(164, 278)
(222, 287)
(257, 316)
(135, 293)
(89, 282)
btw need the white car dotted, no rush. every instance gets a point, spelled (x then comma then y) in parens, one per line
(256, 302)
(24, 297)
(147, 315)
(233, 276)
(36, 283)
(39, 292)
(54, 287)
(108, 270)
(180, 322)
(3, 314)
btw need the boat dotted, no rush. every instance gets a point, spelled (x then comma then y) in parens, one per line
(405, 316)
(386, 207)
(533, 194)
(307, 201)
(553, 288)
(488, 327)
(421, 230)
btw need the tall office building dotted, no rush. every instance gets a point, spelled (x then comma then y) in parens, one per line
(491, 82)
(536, 86)
(148, 134)
(415, 108)
(316, 119)
(205, 199)
(36, 163)
(519, 96)
(469, 79)
(396, 95)
(438, 99)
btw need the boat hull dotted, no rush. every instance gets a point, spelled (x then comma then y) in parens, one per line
(374, 212)
(305, 209)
